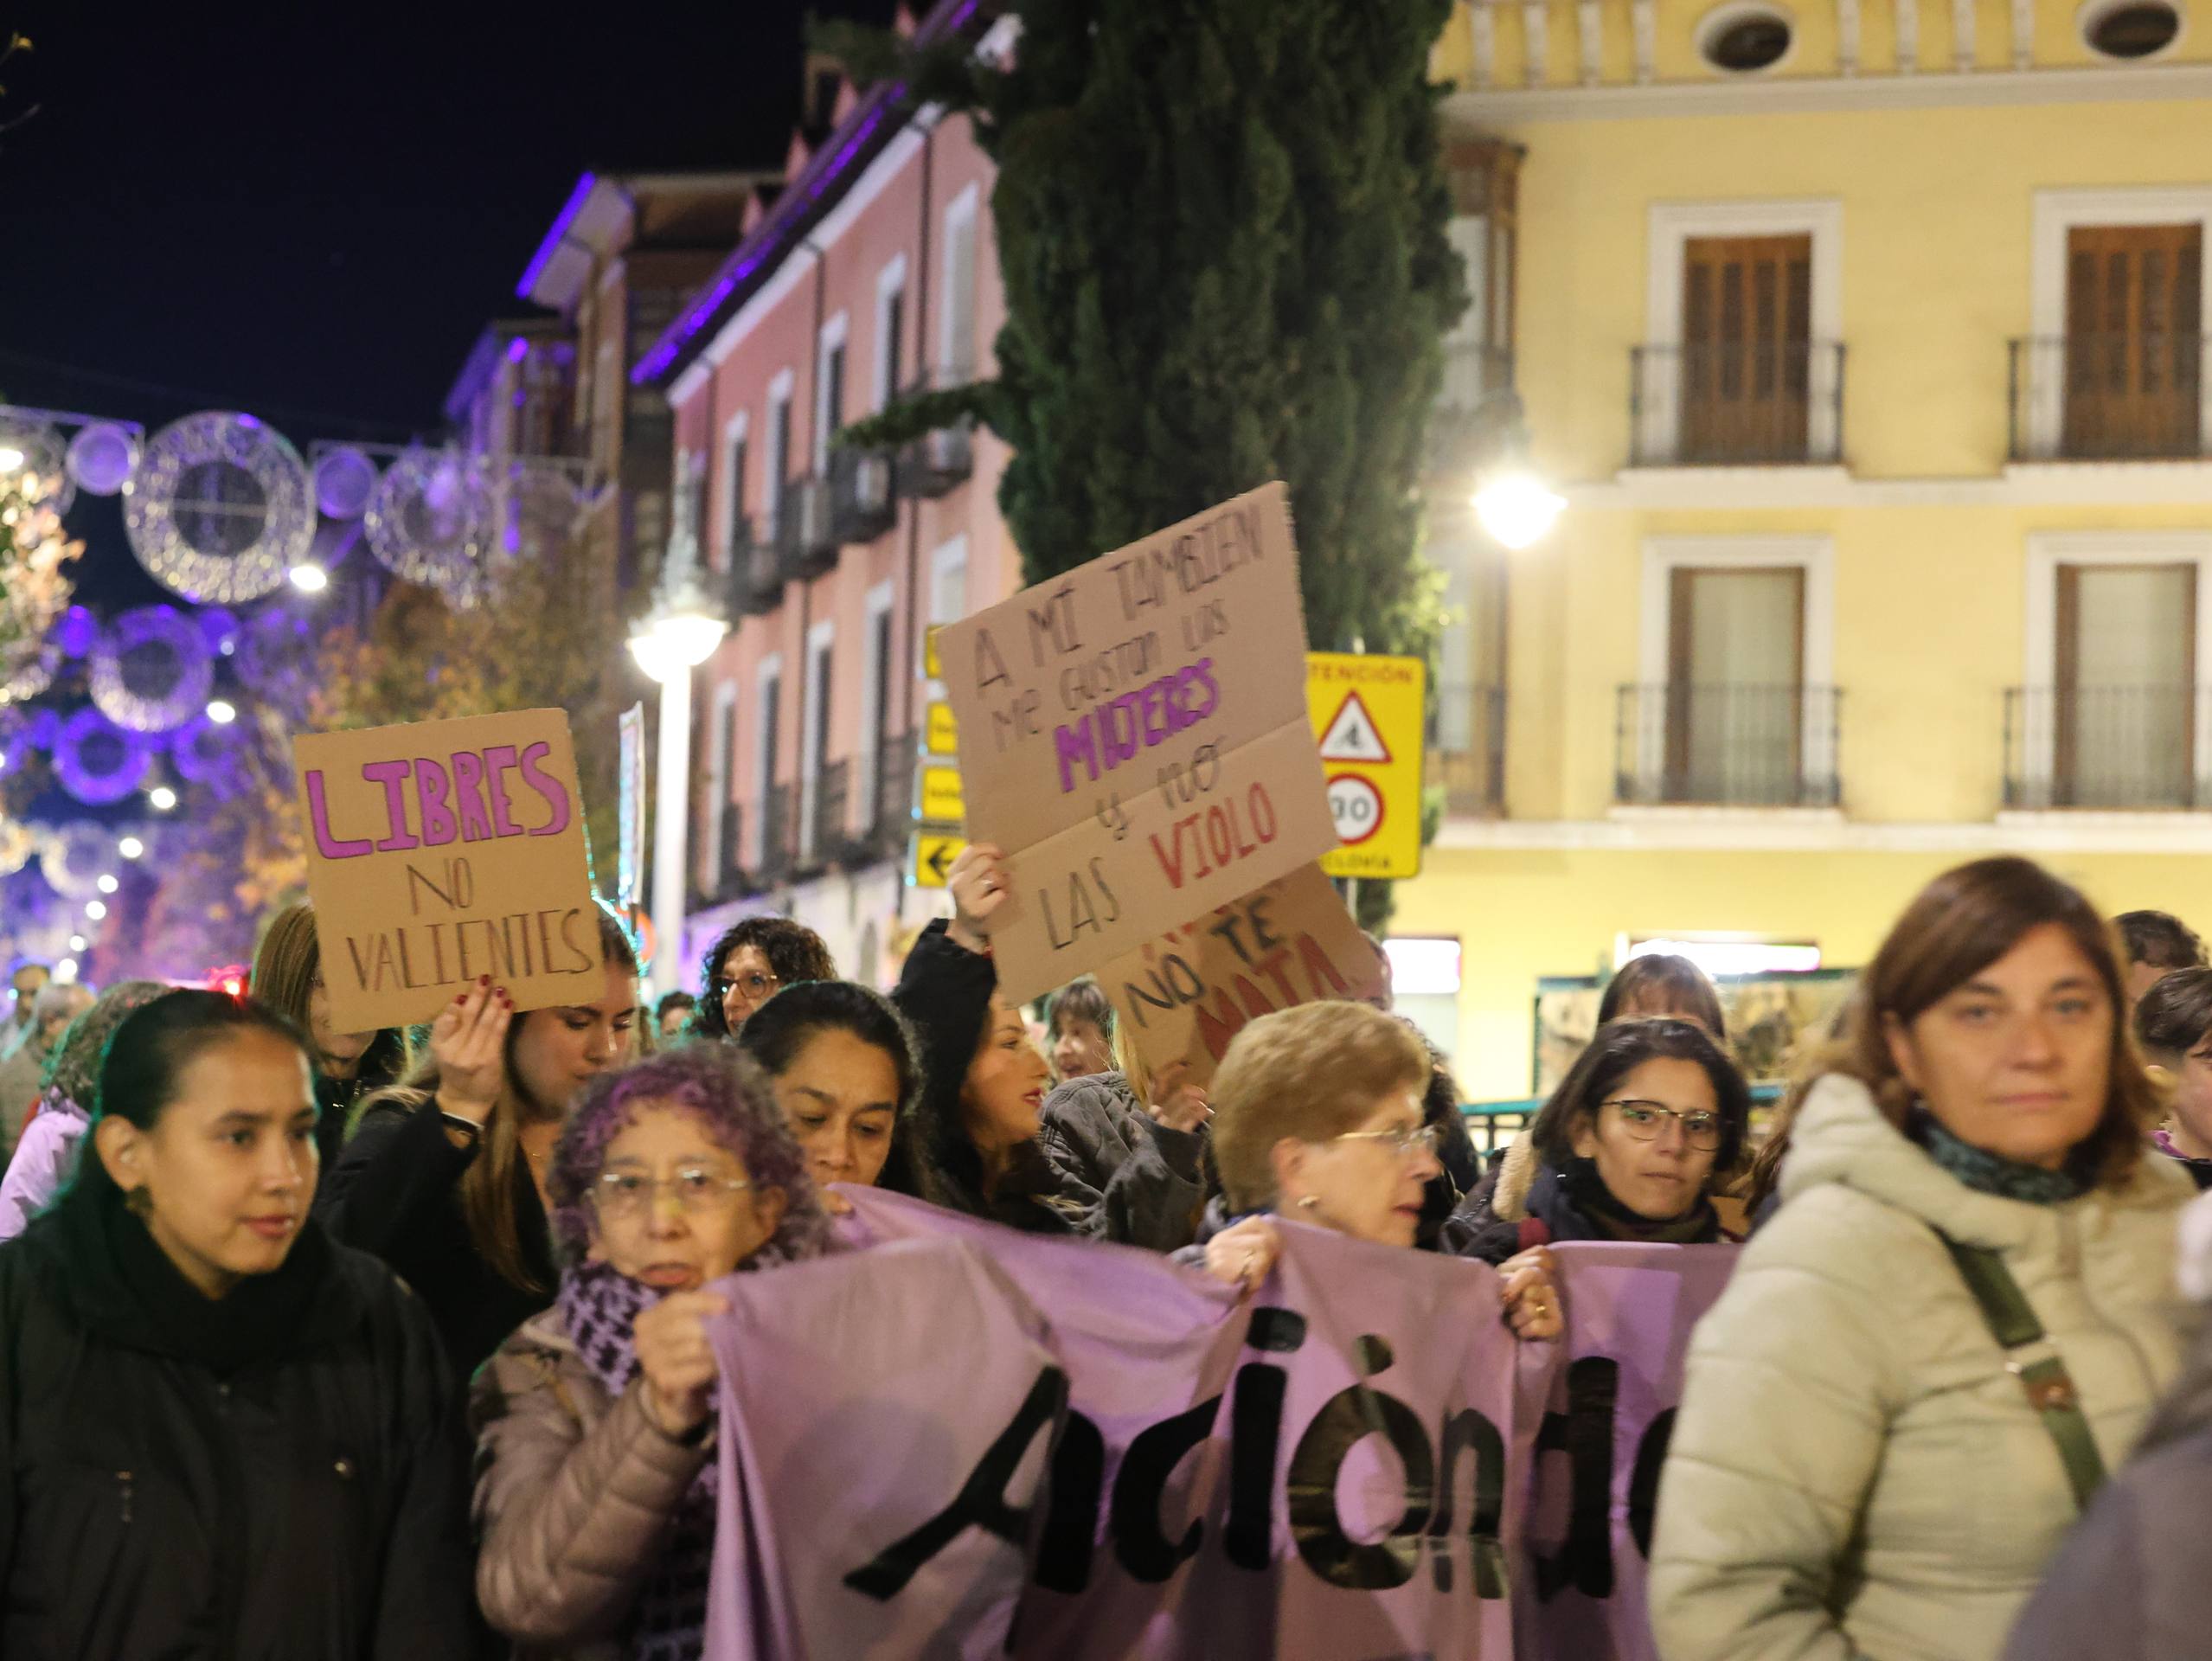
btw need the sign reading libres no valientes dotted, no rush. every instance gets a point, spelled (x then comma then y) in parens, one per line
(1134, 736)
(444, 850)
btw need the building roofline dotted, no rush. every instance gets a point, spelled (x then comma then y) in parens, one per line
(837, 162)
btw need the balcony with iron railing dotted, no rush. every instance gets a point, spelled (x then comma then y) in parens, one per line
(2111, 397)
(779, 838)
(1736, 404)
(895, 794)
(944, 456)
(756, 583)
(807, 534)
(1726, 745)
(2117, 749)
(828, 842)
(861, 505)
(1472, 409)
(1466, 749)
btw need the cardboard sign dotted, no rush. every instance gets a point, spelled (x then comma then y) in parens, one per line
(1367, 715)
(1183, 995)
(444, 850)
(1134, 736)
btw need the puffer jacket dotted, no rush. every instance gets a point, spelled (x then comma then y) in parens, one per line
(1151, 1177)
(2129, 1584)
(1853, 1472)
(575, 1490)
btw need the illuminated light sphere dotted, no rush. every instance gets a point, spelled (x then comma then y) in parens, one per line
(1518, 509)
(160, 797)
(345, 480)
(108, 884)
(76, 942)
(221, 712)
(221, 509)
(131, 848)
(310, 579)
(103, 456)
(95, 909)
(66, 970)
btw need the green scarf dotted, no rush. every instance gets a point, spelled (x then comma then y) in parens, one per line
(1993, 1173)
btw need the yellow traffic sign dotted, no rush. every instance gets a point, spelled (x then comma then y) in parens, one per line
(934, 855)
(931, 669)
(941, 801)
(1367, 714)
(940, 734)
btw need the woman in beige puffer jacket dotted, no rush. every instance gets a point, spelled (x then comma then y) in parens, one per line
(1854, 1473)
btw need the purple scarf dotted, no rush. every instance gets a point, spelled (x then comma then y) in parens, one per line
(600, 1308)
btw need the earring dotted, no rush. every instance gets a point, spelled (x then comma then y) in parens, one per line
(1308, 1201)
(139, 1202)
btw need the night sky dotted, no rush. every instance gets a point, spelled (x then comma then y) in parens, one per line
(310, 211)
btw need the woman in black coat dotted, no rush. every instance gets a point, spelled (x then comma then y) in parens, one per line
(224, 1437)
(444, 1175)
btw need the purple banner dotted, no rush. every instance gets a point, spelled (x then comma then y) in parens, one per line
(955, 1440)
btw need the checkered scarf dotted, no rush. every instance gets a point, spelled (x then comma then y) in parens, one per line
(601, 1309)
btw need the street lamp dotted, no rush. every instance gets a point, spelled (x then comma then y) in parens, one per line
(675, 637)
(1511, 500)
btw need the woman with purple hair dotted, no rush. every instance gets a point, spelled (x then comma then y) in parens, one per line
(596, 1501)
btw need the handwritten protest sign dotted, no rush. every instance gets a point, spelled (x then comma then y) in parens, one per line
(1134, 734)
(444, 850)
(1184, 995)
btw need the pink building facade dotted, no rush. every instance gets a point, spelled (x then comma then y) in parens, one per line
(872, 271)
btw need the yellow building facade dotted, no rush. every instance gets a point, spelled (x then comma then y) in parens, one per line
(1867, 342)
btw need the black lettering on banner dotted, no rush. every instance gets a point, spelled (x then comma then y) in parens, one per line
(1644, 1480)
(1584, 1433)
(1345, 1419)
(981, 1502)
(1469, 1432)
(1141, 1484)
(1071, 1520)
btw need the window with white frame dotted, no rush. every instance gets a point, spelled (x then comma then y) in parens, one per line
(721, 776)
(2114, 714)
(828, 389)
(956, 351)
(776, 475)
(948, 581)
(818, 808)
(1743, 331)
(733, 534)
(876, 676)
(771, 834)
(890, 329)
(1736, 702)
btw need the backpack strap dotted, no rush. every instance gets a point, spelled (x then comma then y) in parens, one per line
(2049, 1388)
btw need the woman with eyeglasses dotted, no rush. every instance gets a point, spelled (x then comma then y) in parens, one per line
(1317, 1116)
(1960, 1318)
(750, 963)
(1649, 1120)
(597, 1470)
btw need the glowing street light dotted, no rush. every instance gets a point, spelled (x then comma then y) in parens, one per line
(76, 942)
(221, 712)
(1517, 508)
(108, 884)
(131, 848)
(310, 579)
(161, 798)
(95, 909)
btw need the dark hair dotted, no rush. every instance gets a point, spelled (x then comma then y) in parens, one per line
(1619, 1049)
(2159, 940)
(1962, 922)
(795, 954)
(787, 1023)
(1661, 976)
(678, 1000)
(146, 1057)
(1082, 999)
(728, 1093)
(2174, 1016)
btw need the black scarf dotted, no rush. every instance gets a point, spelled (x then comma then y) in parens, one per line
(123, 1283)
(1574, 1203)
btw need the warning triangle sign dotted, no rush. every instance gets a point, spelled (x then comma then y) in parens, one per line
(1352, 735)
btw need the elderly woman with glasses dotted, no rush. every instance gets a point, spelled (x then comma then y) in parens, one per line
(1650, 1119)
(595, 1500)
(1317, 1116)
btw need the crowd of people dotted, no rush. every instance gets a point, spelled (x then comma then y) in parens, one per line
(327, 1344)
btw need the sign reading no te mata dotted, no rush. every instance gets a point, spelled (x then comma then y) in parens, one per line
(1369, 714)
(1133, 735)
(1184, 995)
(444, 850)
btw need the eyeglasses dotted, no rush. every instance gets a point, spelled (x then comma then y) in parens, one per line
(626, 1195)
(1407, 1141)
(755, 986)
(1642, 1120)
